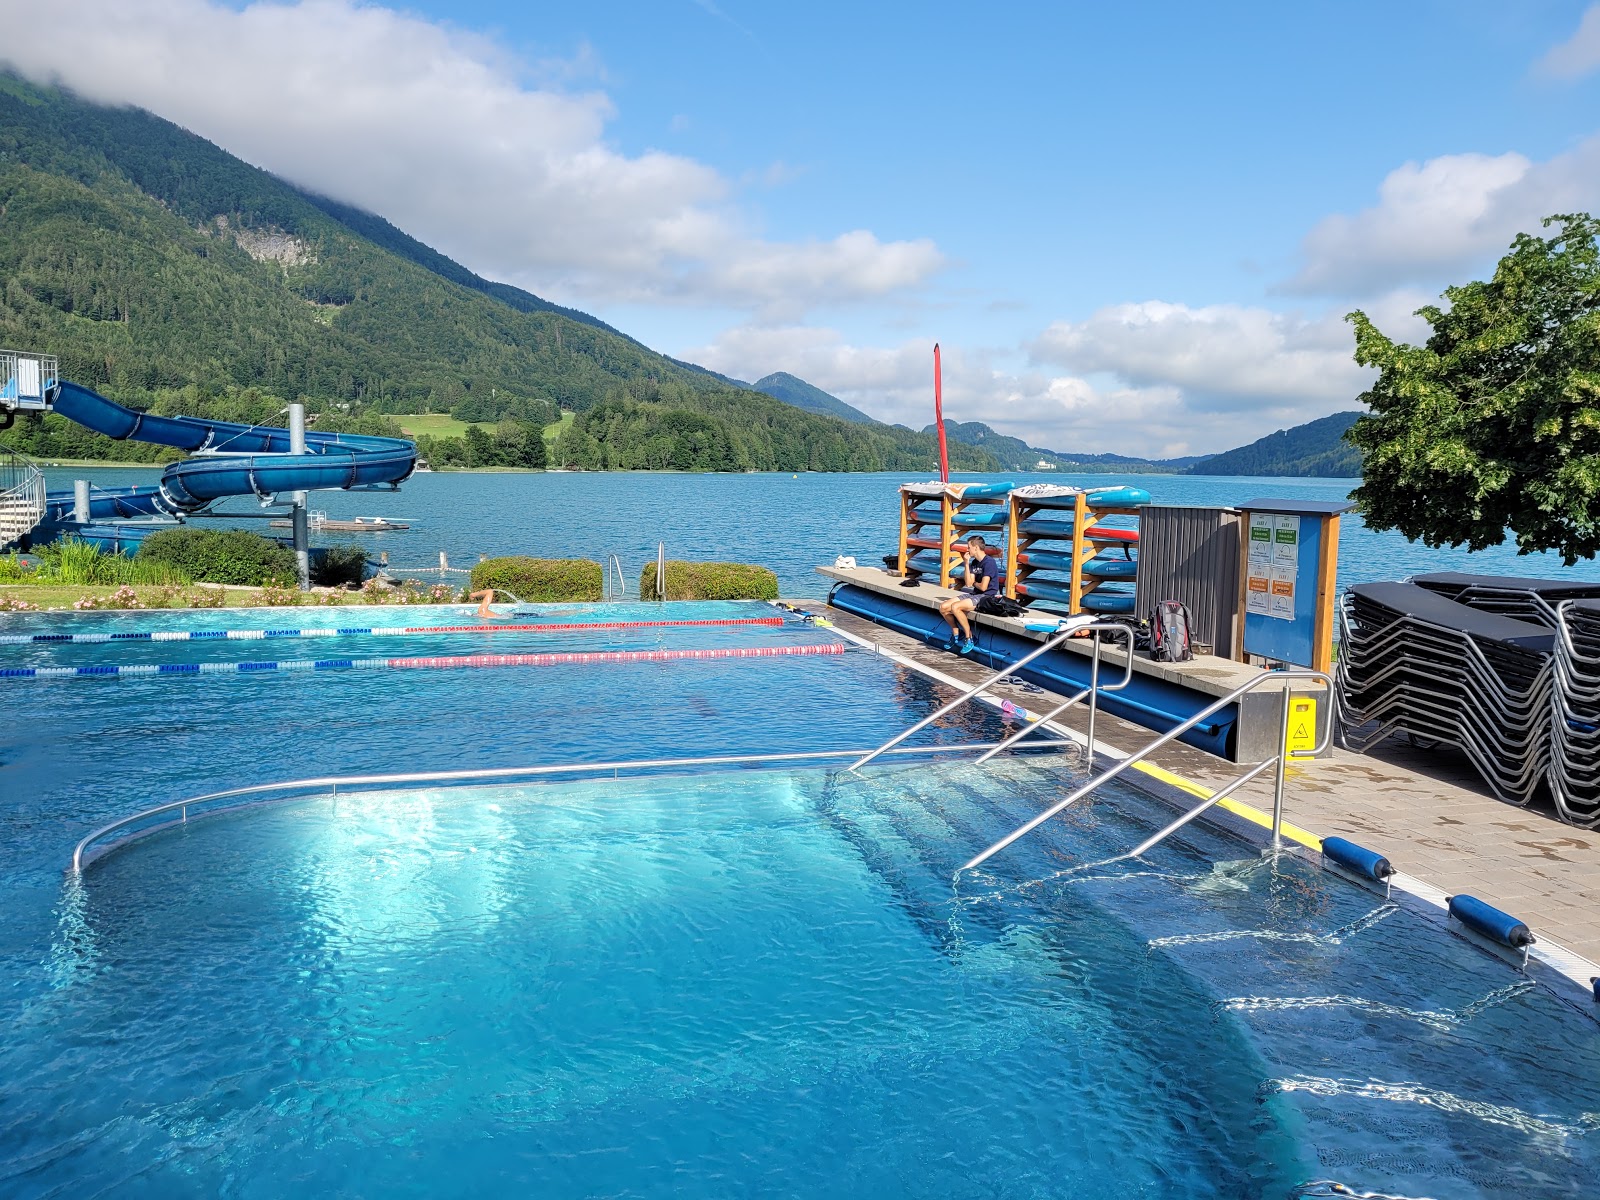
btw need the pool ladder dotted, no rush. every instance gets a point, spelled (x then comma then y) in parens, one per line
(616, 581)
(1279, 761)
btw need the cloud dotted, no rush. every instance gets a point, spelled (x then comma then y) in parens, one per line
(1061, 412)
(1441, 218)
(1223, 358)
(436, 129)
(1579, 54)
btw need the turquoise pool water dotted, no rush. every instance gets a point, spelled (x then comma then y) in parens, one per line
(757, 982)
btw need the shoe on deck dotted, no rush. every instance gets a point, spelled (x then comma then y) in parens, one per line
(966, 646)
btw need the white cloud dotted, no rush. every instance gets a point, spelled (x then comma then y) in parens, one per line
(1059, 412)
(1579, 54)
(1224, 358)
(432, 127)
(1438, 219)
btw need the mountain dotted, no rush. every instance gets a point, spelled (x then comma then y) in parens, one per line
(1315, 448)
(1014, 454)
(162, 270)
(802, 395)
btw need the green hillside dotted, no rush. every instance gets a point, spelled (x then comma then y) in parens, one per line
(796, 391)
(1315, 448)
(165, 272)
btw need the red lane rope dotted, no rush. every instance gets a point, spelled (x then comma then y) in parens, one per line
(545, 627)
(612, 656)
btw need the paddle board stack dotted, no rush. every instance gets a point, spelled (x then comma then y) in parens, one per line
(1064, 554)
(935, 517)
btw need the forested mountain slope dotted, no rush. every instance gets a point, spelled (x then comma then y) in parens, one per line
(163, 270)
(1315, 448)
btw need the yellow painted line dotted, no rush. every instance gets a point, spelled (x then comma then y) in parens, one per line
(1237, 807)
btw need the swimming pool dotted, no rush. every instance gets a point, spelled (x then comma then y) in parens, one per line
(727, 984)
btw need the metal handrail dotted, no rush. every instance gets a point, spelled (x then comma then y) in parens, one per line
(1063, 632)
(1171, 735)
(80, 857)
(1092, 691)
(614, 566)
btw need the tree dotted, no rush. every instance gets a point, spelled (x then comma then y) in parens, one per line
(1493, 423)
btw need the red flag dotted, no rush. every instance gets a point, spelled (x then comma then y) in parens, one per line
(938, 416)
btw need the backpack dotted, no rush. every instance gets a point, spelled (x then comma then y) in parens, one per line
(999, 606)
(1169, 632)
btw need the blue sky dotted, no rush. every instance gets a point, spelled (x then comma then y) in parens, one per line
(1131, 227)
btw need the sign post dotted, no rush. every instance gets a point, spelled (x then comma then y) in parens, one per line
(1291, 562)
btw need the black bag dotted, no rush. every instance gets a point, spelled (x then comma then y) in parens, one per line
(1169, 633)
(999, 606)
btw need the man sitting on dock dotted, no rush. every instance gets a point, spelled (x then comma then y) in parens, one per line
(982, 575)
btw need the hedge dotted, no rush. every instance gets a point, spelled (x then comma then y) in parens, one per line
(541, 579)
(221, 555)
(341, 565)
(710, 581)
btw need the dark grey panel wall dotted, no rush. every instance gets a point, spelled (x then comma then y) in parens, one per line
(1192, 555)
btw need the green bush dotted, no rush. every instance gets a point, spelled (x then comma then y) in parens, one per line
(74, 561)
(344, 565)
(710, 581)
(541, 580)
(220, 556)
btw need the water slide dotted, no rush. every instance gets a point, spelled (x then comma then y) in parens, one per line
(228, 460)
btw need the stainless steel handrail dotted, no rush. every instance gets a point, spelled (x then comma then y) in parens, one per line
(1065, 631)
(1092, 691)
(80, 859)
(614, 568)
(1171, 735)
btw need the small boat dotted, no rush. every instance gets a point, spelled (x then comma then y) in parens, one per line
(321, 520)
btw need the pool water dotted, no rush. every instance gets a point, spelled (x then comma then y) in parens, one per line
(750, 982)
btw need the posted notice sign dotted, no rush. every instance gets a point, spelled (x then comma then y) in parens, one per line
(1274, 561)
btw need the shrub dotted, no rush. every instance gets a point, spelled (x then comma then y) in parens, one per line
(220, 556)
(541, 580)
(276, 595)
(74, 561)
(710, 581)
(344, 565)
(204, 597)
(13, 604)
(123, 597)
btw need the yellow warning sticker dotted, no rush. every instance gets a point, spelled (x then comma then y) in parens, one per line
(1302, 736)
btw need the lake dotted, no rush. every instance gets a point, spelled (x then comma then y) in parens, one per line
(786, 522)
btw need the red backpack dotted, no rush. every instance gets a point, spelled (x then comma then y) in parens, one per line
(1169, 633)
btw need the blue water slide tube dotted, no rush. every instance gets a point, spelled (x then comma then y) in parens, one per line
(229, 460)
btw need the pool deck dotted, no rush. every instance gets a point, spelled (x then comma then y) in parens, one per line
(1425, 810)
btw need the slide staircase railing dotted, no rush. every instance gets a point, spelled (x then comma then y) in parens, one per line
(1068, 629)
(1279, 761)
(136, 825)
(22, 497)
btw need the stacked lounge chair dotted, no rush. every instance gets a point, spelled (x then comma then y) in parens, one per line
(1575, 724)
(1414, 661)
(1506, 669)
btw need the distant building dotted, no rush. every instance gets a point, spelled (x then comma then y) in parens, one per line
(1044, 464)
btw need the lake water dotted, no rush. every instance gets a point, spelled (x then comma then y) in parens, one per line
(787, 522)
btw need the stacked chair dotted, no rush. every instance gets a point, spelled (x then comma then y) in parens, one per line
(1506, 670)
(1575, 727)
(1415, 662)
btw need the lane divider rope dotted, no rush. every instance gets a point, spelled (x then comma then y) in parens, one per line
(255, 635)
(575, 658)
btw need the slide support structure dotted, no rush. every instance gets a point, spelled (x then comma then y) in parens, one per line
(302, 536)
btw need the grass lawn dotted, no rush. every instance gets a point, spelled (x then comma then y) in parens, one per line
(553, 431)
(436, 425)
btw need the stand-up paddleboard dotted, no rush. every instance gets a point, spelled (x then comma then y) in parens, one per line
(1111, 497)
(1111, 568)
(918, 516)
(1046, 560)
(1098, 600)
(1102, 601)
(1063, 529)
(963, 491)
(980, 520)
